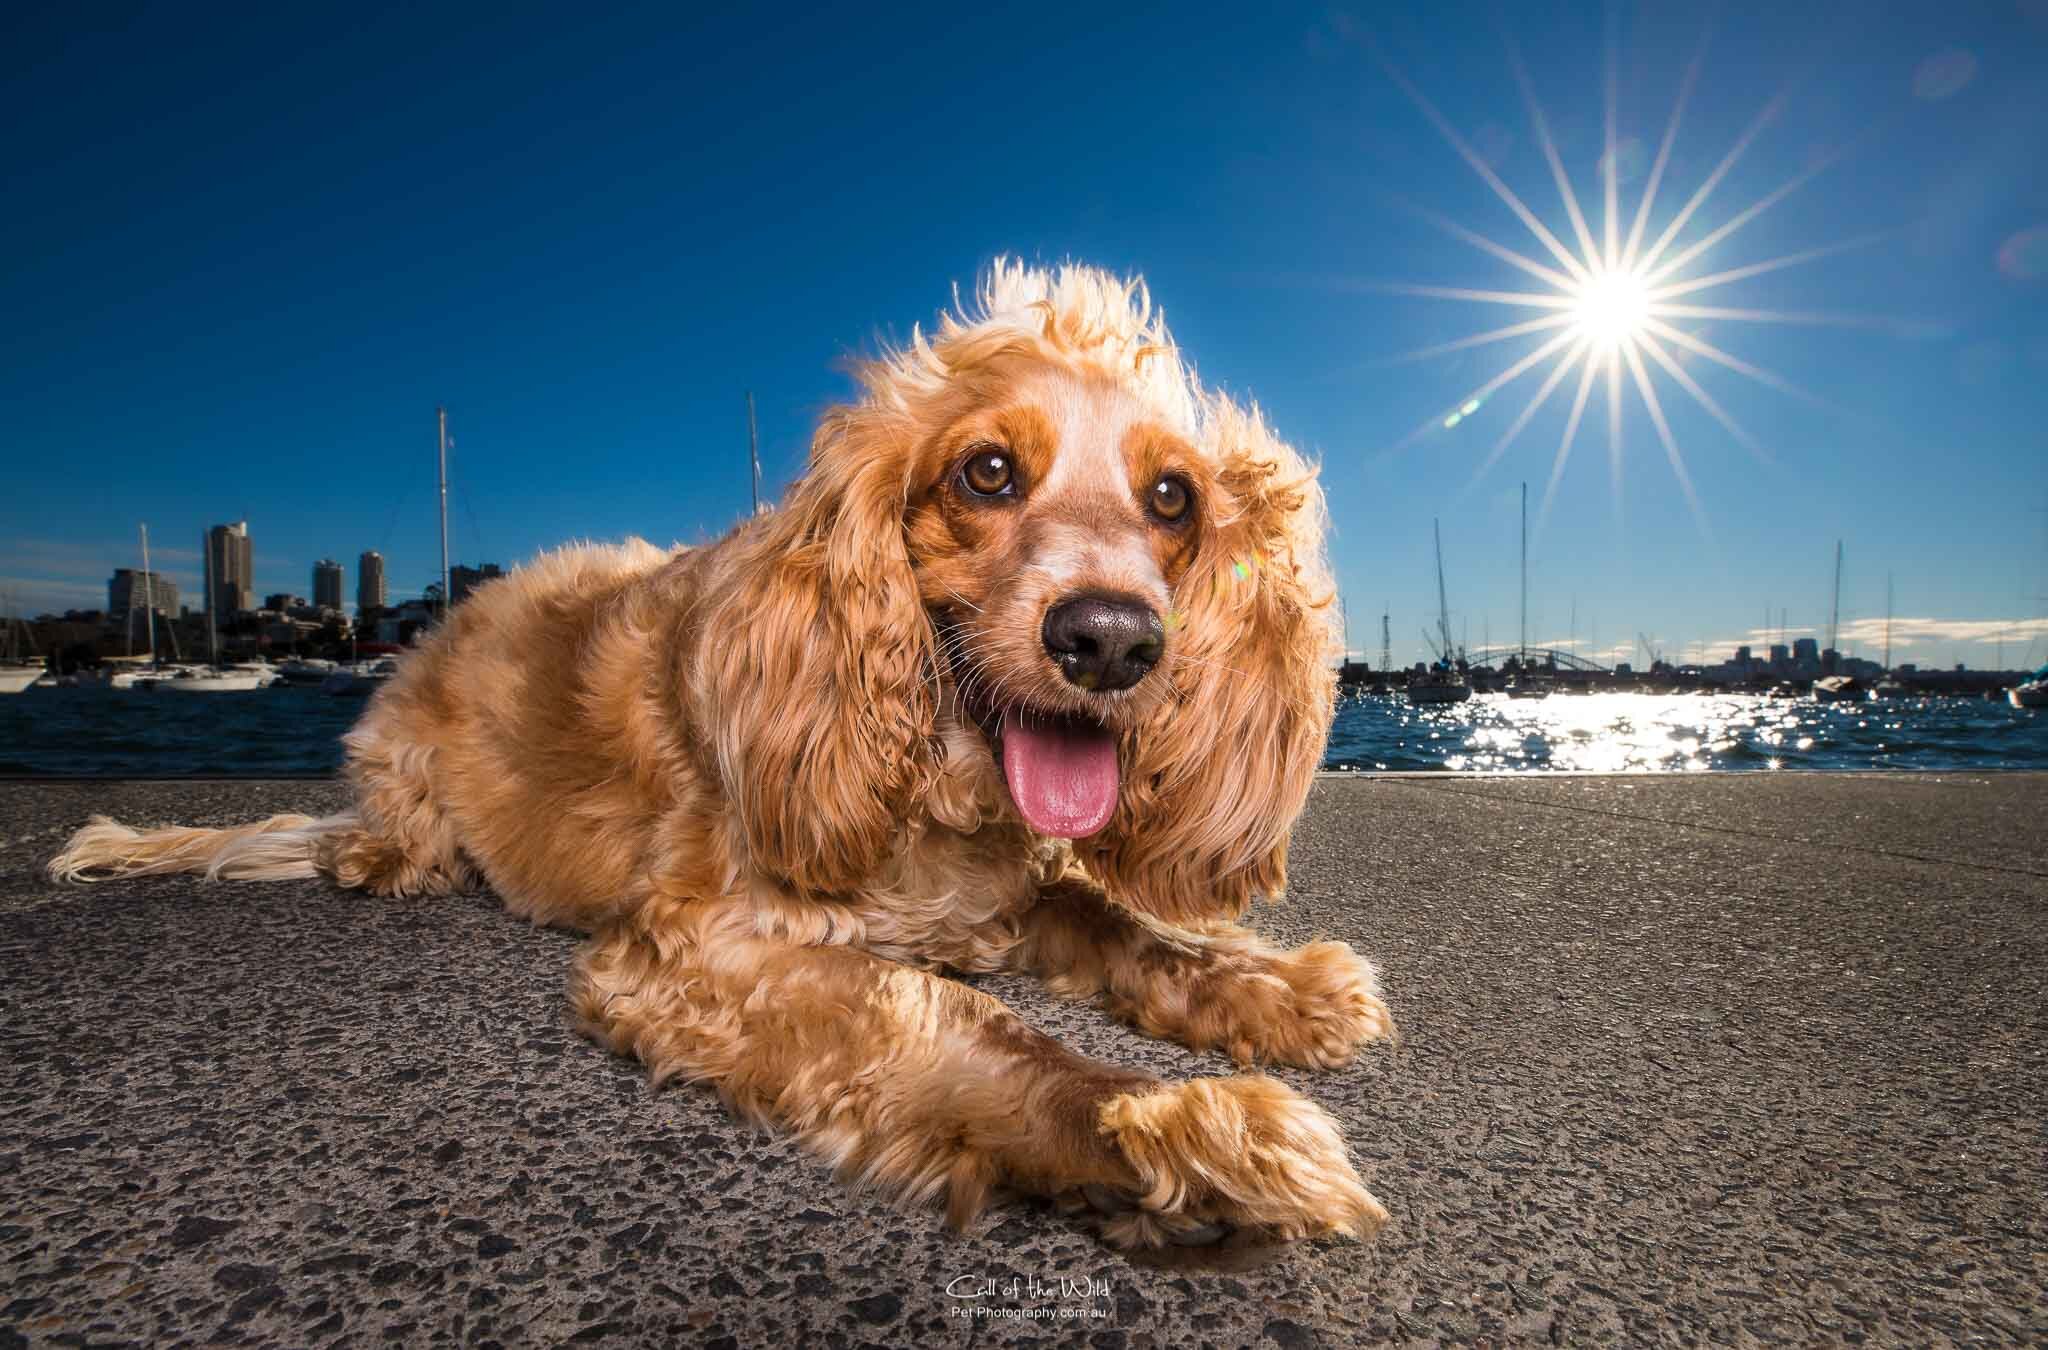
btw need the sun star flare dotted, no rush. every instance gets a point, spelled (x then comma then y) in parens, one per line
(1614, 302)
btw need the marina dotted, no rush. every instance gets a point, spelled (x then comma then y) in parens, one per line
(293, 728)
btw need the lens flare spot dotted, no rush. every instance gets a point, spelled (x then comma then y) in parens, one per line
(1944, 75)
(2024, 257)
(1627, 163)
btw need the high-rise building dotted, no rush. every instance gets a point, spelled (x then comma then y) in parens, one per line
(327, 584)
(462, 580)
(370, 581)
(1806, 653)
(126, 592)
(231, 564)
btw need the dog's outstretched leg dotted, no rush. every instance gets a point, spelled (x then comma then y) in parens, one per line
(1217, 987)
(937, 1092)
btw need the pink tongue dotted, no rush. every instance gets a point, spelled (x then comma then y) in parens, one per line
(1062, 774)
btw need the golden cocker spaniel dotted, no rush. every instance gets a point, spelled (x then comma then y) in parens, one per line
(1030, 671)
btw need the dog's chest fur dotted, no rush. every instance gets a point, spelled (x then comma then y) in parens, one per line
(953, 893)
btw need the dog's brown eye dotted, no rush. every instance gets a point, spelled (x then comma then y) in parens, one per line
(1170, 498)
(988, 474)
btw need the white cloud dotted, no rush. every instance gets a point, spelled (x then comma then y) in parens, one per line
(1916, 639)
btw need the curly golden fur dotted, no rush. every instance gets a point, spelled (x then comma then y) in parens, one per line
(767, 777)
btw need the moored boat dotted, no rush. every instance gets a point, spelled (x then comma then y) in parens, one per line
(1839, 689)
(305, 670)
(18, 669)
(2033, 693)
(226, 681)
(1443, 682)
(1440, 685)
(358, 680)
(15, 678)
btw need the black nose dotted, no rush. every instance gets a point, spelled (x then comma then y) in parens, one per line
(1103, 644)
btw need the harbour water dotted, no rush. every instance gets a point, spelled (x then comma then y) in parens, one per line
(1679, 733)
(295, 732)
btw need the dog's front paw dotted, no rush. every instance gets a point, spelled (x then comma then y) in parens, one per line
(1313, 1006)
(1336, 1007)
(1221, 1155)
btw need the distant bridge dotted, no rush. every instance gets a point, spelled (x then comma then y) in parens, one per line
(1538, 656)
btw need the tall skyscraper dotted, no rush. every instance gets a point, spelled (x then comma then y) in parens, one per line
(231, 557)
(370, 581)
(327, 584)
(125, 592)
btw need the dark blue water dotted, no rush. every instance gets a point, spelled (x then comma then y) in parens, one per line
(280, 732)
(289, 732)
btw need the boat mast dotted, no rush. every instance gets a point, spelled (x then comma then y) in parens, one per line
(148, 595)
(1835, 614)
(1887, 623)
(1443, 605)
(441, 415)
(212, 633)
(1525, 574)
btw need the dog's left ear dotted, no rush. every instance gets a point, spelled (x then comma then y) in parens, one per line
(815, 665)
(1214, 778)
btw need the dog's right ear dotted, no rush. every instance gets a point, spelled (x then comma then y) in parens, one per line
(815, 666)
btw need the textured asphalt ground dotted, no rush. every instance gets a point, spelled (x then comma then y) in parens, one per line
(1725, 1059)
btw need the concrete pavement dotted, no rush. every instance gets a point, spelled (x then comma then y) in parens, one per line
(1718, 1058)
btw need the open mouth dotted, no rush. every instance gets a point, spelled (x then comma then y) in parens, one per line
(1061, 769)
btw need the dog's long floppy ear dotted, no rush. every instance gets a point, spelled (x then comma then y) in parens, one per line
(815, 666)
(1214, 779)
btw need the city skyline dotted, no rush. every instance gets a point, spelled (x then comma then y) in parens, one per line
(1914, 639)
(594, 295)
(329, 580)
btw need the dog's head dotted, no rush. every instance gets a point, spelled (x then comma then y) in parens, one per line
(1037, 523)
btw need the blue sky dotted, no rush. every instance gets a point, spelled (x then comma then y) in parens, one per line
(250, 251)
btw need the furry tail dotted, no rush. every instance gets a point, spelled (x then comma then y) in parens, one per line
(278, 849)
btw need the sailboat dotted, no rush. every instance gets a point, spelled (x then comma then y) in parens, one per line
(2031, 694)
(1838, 688)
(1524, 684)
(151, 671)
(1891, 686)
(359, 679)
(1443, 682)
(1350, 673)
(217, 679)
(19, 670)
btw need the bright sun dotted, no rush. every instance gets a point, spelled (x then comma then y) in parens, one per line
(1612, 307)
(1611, 311)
